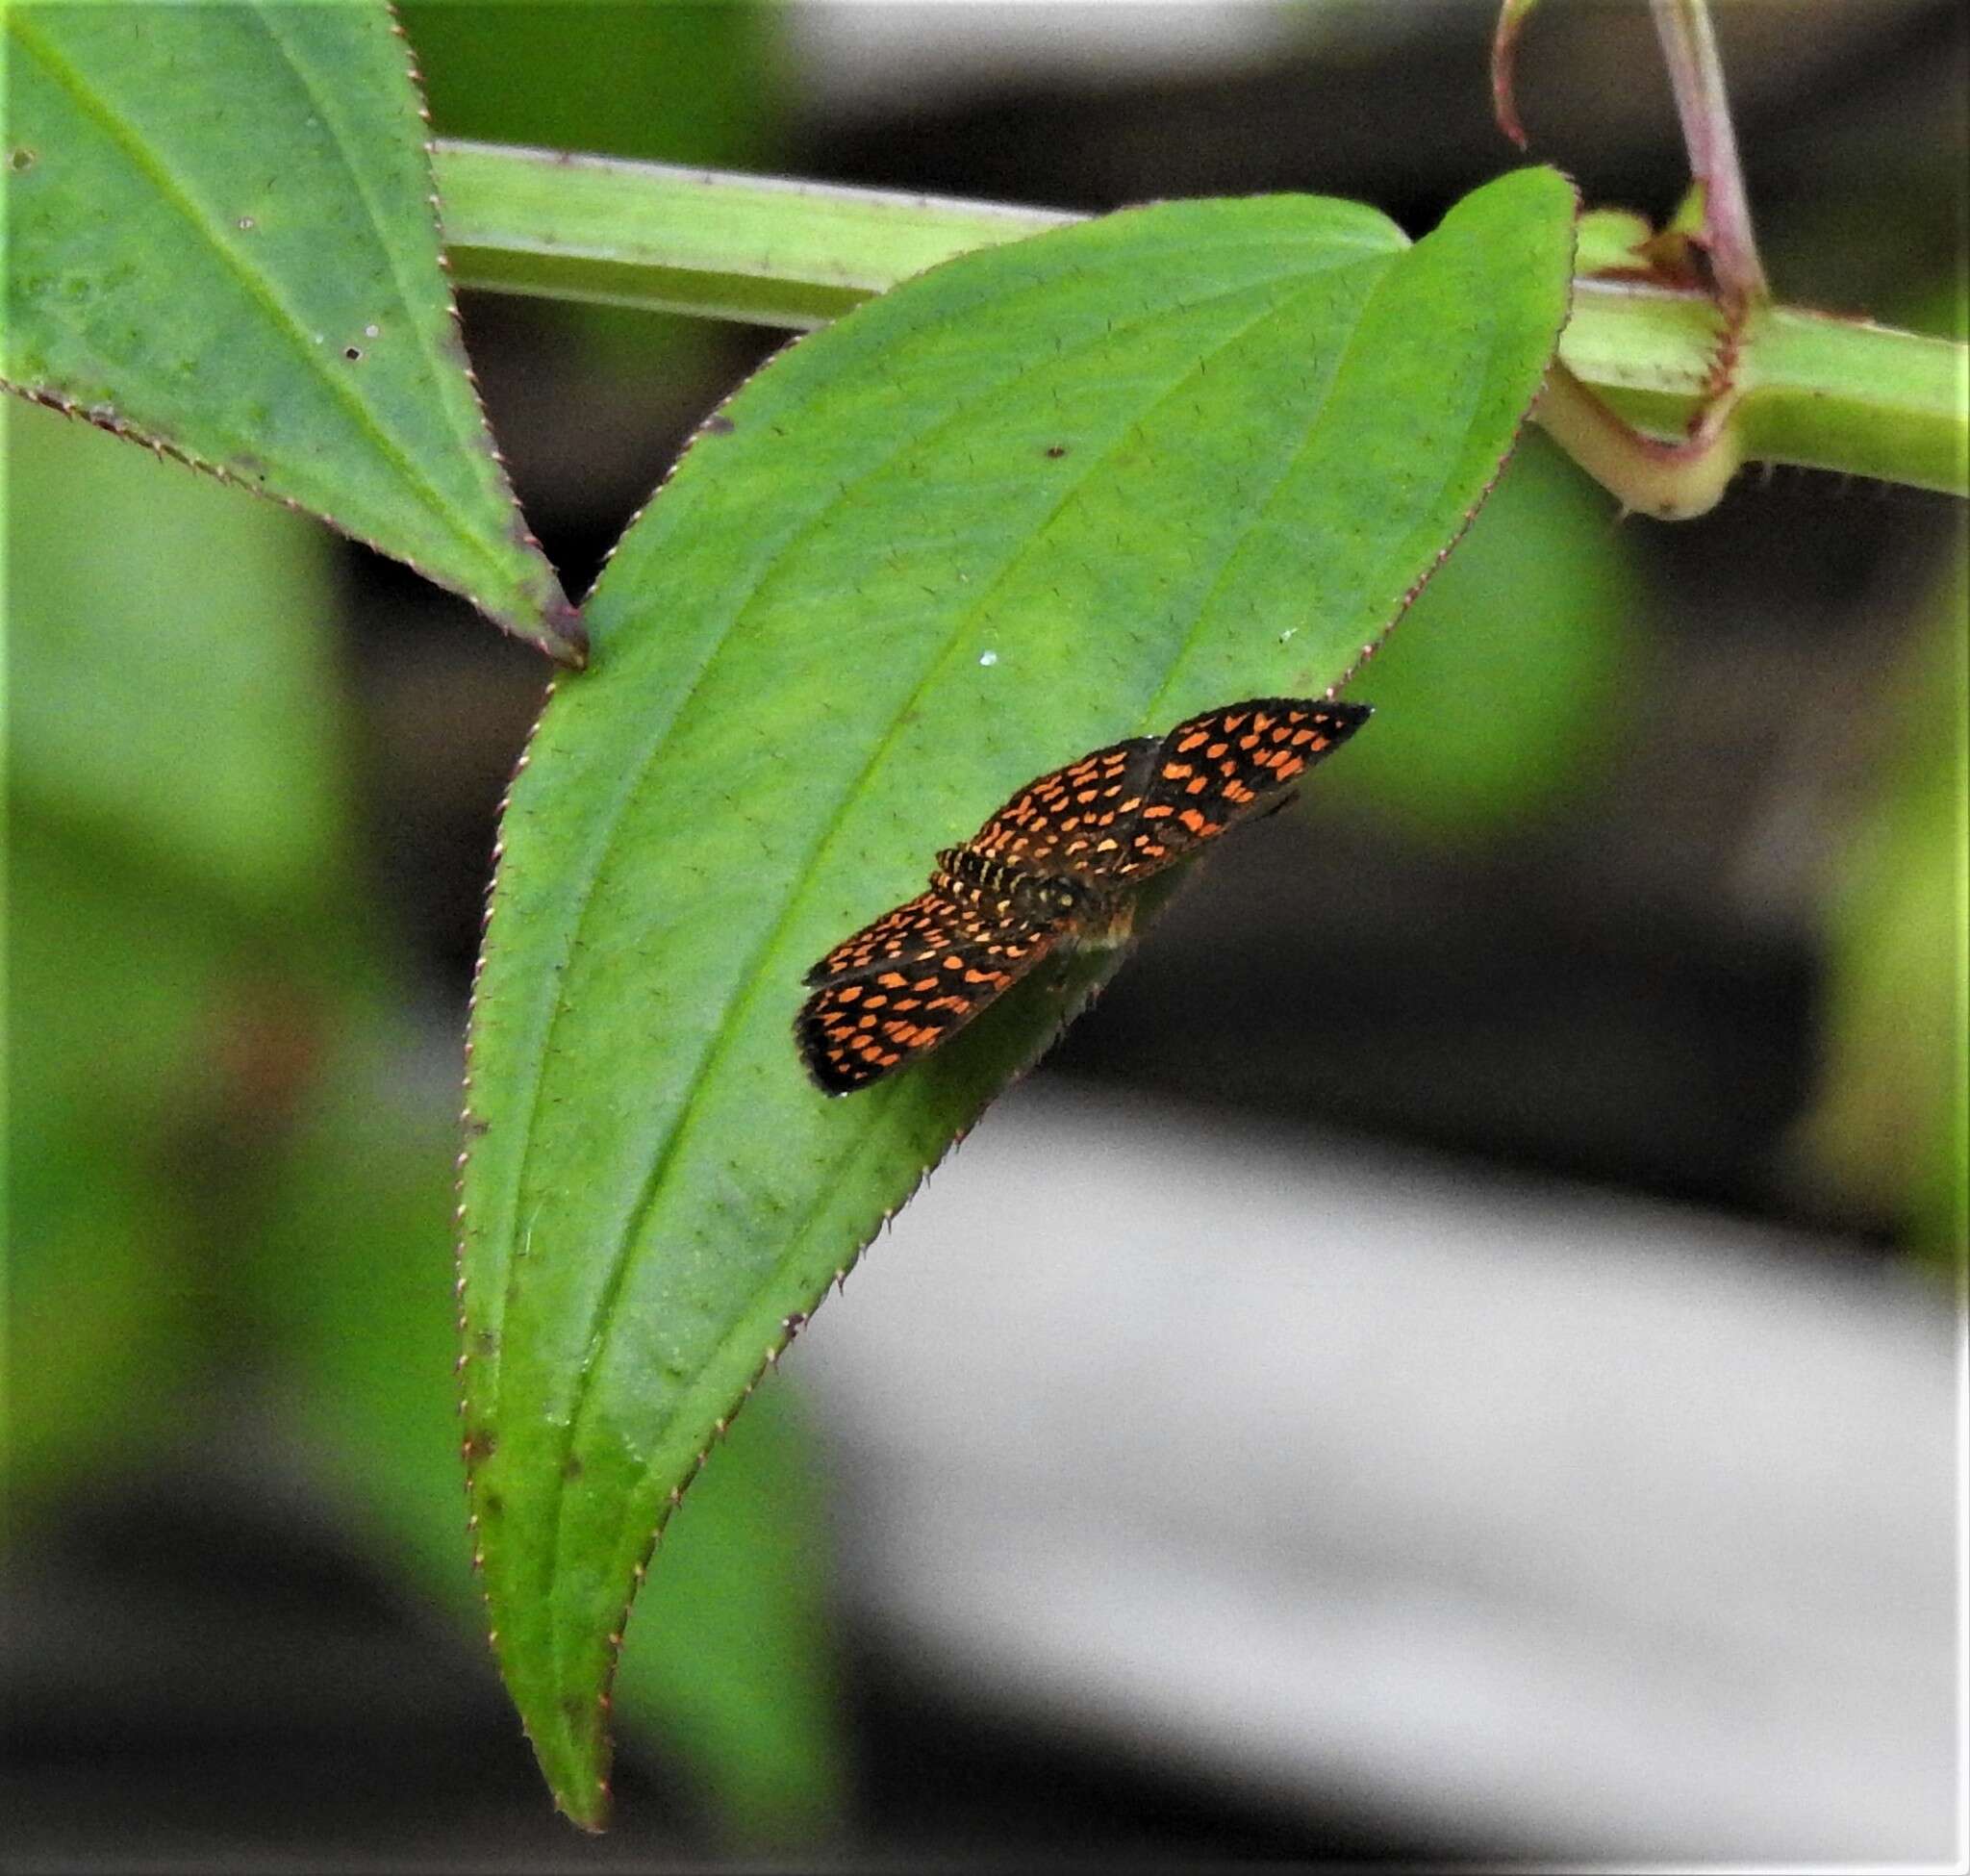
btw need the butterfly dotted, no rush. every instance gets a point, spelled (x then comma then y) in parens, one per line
(1057, 864)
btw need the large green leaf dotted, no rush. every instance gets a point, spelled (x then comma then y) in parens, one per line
(221, 241)
(1047, 496)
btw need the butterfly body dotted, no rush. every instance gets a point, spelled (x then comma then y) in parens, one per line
(1075, 900)
(1056, 866)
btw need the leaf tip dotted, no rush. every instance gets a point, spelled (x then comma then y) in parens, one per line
(563, 636)
(587, 1804)
(570, 1736)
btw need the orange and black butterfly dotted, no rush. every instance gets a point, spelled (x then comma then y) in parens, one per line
(1056, 864)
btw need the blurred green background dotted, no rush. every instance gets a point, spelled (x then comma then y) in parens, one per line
(1650, 871)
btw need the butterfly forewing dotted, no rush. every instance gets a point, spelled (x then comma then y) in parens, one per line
(1216, 767)
(1075, 818)
(906, 982)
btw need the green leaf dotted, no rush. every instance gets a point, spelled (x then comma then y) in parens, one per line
(1045, 497)
(221, 241)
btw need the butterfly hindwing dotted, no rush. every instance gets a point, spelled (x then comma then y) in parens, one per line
(907, 982)
(920, 928)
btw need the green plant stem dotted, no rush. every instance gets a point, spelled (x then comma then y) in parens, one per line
(756, 248)
(1819, 392)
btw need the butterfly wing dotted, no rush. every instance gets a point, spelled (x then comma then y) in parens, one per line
(911, 933)
(1071, 821)
(906, 983)
(919, 973)
(1220, 767)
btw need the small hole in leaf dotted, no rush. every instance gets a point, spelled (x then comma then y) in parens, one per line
(352, 353)
(22, 160)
